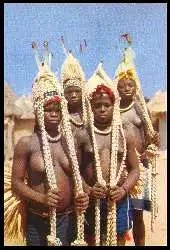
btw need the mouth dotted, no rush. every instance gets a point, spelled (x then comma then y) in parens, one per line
(128, 94)
(103, 116)
(54, 121)
(74, 100)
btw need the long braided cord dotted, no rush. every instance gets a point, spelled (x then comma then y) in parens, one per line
(152, 161)
(52, 239)
(114, 172)
(76, 173)
(99, 176)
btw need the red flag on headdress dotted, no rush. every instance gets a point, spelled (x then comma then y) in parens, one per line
(127, 37)
(81, 48)
(85, 43)
(62, 40)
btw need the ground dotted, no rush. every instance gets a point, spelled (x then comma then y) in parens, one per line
(159, 236)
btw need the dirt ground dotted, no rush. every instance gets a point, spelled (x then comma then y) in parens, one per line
(159, 236)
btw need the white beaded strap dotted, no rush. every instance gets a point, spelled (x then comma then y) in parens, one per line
(52, 239)
(98, 173)
(150, 131)
(117, 130)
(76, 173)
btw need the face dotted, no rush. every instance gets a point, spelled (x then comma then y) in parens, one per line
(52, 114)
(73, 95)
(102, 107)
(126, 88)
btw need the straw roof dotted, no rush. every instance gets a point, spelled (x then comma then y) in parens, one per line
(10, 109)
(158, 103)
(25, 103)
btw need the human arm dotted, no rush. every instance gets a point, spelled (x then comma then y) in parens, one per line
(19, 187)
(118, 192)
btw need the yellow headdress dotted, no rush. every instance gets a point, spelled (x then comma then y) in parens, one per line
(71, 72)
(126, 68)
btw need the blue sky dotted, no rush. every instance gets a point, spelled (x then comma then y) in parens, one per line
(100, 24)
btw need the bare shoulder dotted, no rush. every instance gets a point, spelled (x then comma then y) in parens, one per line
(23, 144)
(82, 135)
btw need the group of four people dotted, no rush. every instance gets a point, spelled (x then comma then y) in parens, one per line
(85, 154)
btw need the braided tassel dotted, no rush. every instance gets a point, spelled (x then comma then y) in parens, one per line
(77, 178)
(111, 225)
(99, 176)
(52, 239)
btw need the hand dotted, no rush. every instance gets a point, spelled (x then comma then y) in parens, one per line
(99, 191)
(116, 193)
(81, 202)
(53, 199)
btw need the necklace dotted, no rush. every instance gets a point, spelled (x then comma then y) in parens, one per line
(127, 108)
(53, 139)
(102, 132)
(78, 124)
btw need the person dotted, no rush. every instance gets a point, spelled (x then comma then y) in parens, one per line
(73, 81)
(105, 150)
(50, 193)
(136, 120)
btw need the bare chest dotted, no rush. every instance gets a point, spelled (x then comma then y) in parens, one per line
(59, 158)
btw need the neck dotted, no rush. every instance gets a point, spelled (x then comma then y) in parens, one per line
(73, 110)
(52, 132)
(124, 103)
(102, 126)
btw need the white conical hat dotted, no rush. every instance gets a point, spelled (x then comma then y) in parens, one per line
(46, 81)
(99, 77)
(72, 72)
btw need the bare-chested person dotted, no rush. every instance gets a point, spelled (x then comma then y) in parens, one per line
(73, 80)
(44, 158)
(102, 104)
(133, 121)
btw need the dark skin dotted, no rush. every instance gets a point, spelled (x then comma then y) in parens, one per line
(73, 95)
(127, 89)
(28, 158)
(102, 107)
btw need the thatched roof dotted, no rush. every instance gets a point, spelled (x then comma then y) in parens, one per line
(158, 103)
(25, 103)
(10, 109)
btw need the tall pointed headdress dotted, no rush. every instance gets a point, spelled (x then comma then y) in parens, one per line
(46, 83)
(71, 72)
(99, 77)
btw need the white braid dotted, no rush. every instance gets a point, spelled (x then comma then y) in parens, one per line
(76, 173)
(52, 239)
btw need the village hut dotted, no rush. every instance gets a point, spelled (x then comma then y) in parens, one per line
(11, 112)
(24, 125)
(158, 108)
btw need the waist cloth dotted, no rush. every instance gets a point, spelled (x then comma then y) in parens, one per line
(123, 216)
(38, 227)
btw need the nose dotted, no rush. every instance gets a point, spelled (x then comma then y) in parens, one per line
(127, 88)
(102, 109)
(53, 113)
(73, 94)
